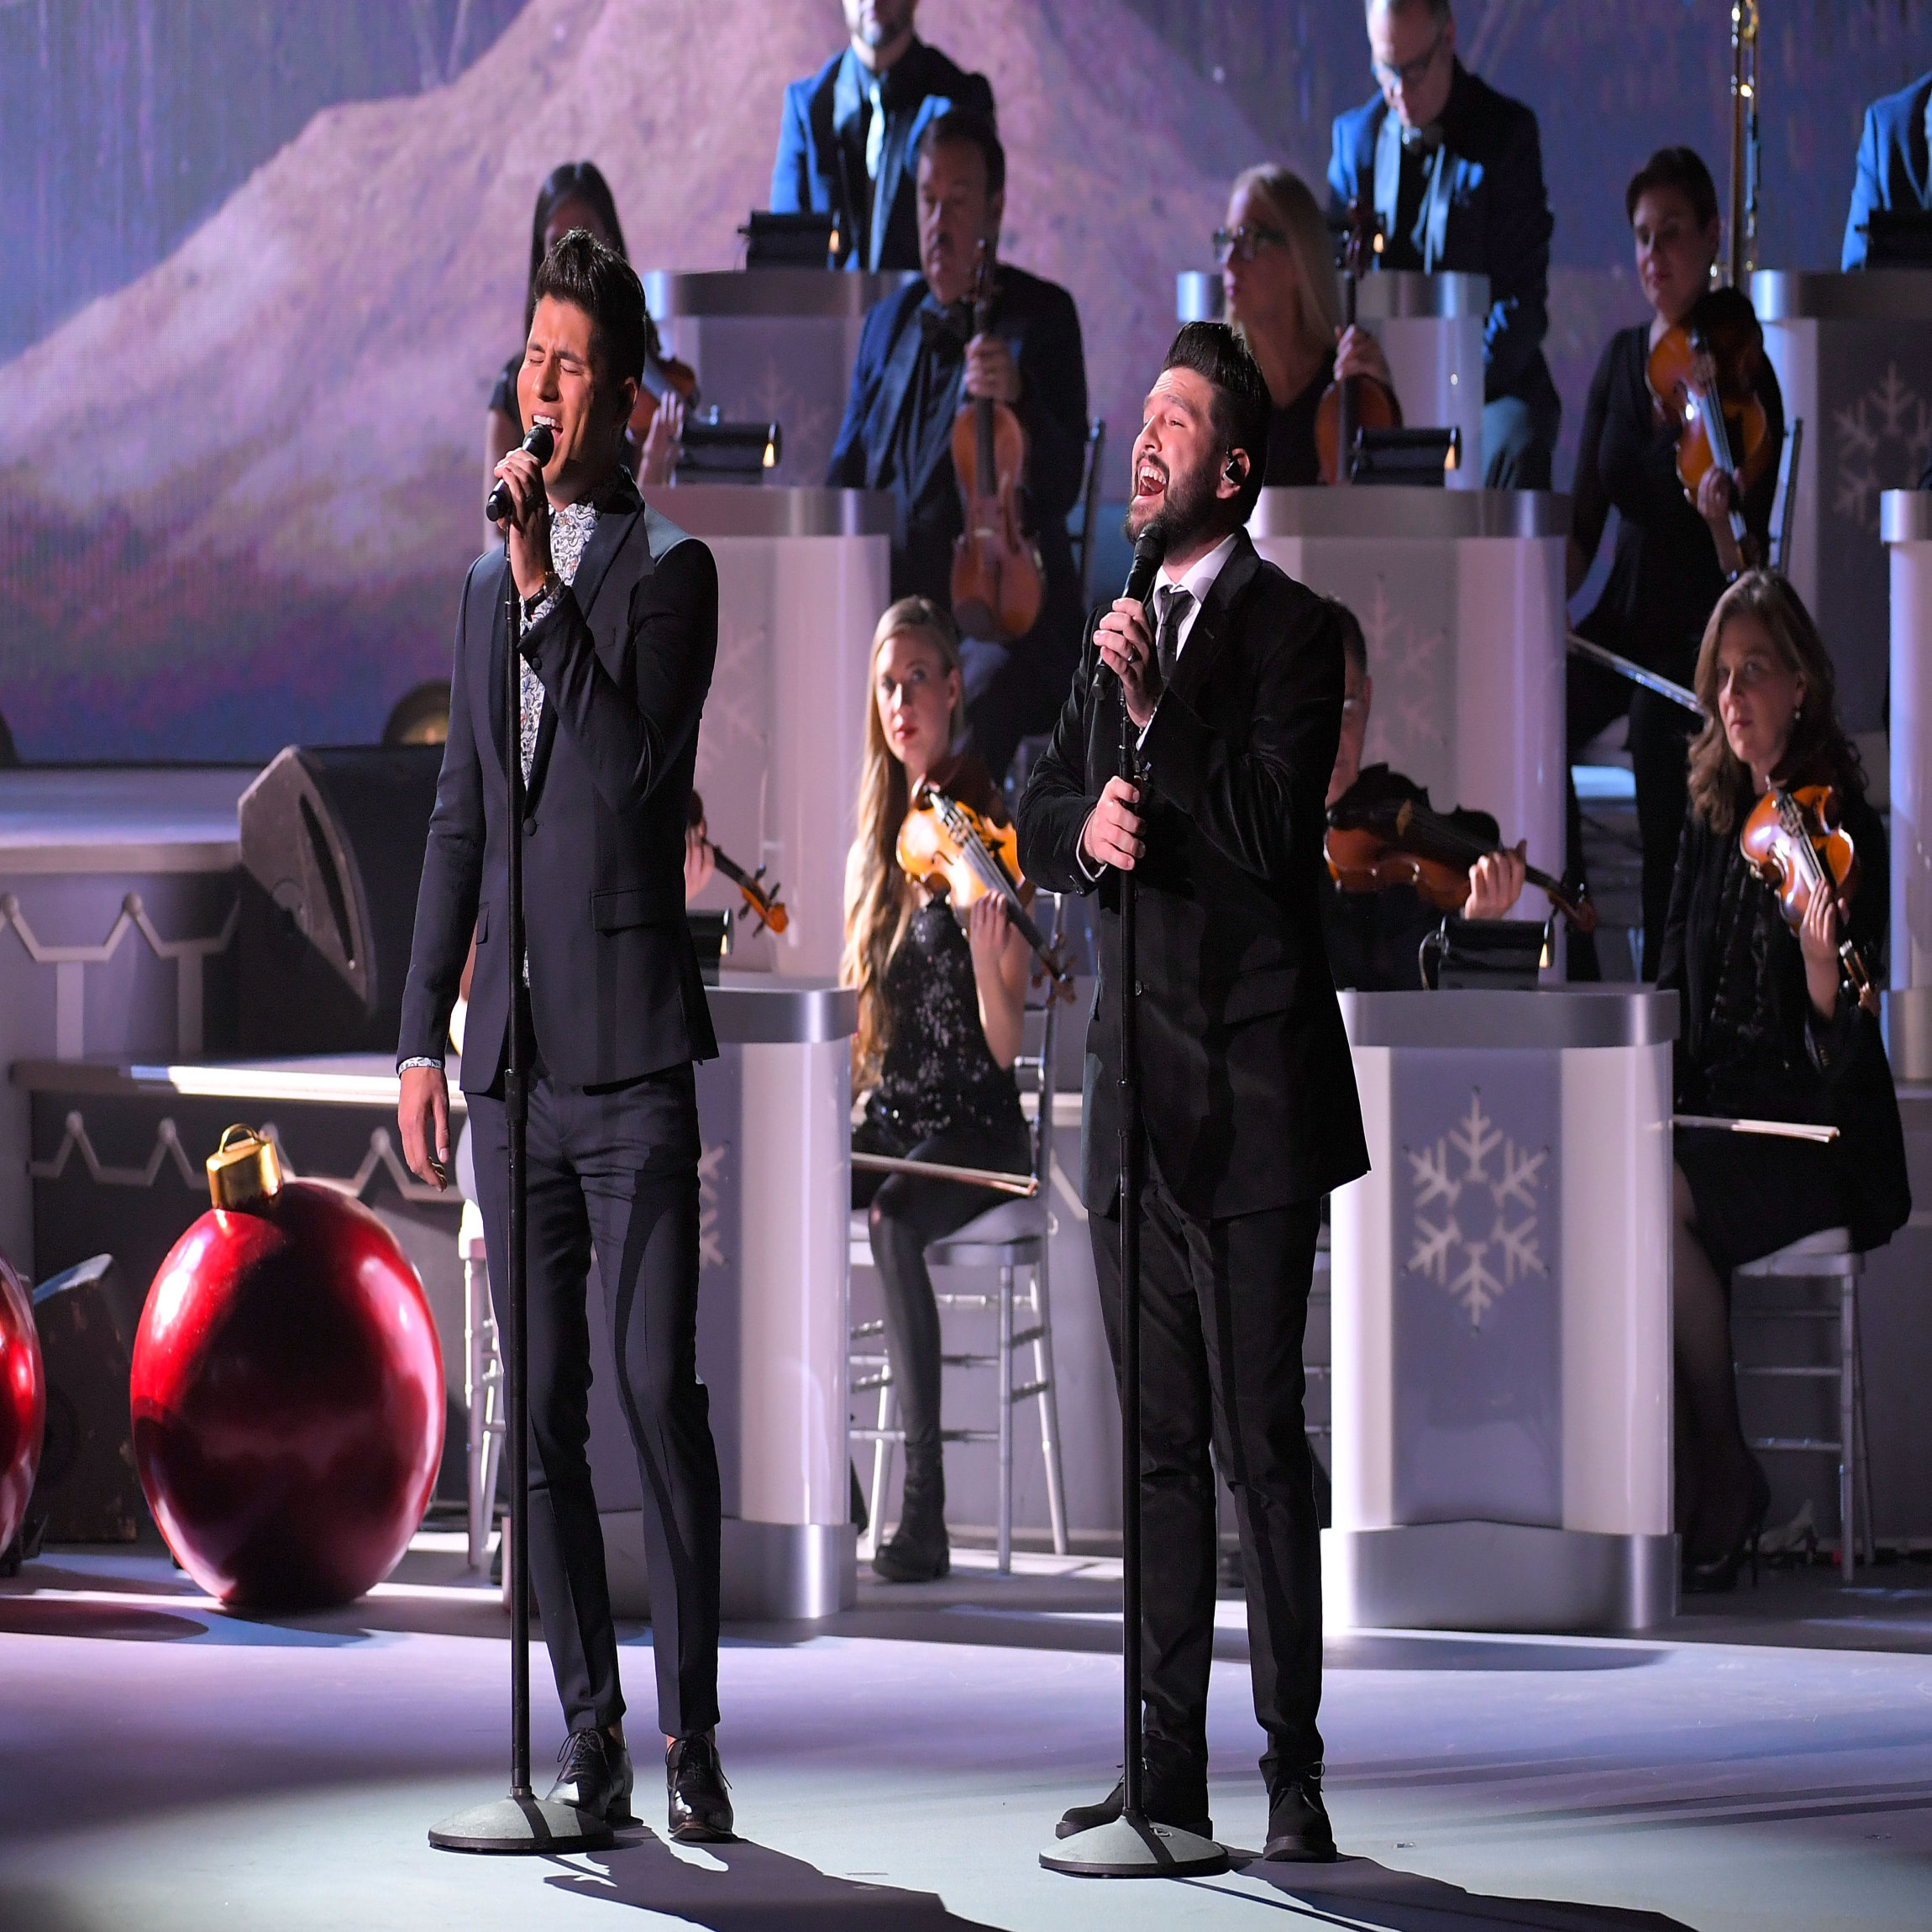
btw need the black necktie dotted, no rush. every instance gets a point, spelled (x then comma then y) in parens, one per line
(1175, 604)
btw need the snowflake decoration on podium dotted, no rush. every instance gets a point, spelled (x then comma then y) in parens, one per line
(1476, 1270)
(1891, 413)
(711, 1244)
(1406, 727)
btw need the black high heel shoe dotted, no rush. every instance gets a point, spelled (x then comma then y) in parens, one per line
(1717, 1574)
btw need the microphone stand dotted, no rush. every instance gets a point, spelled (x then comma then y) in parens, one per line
(1133, 1845)
(522, 1822)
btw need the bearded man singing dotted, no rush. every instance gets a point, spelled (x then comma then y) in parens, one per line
(1247, 1093)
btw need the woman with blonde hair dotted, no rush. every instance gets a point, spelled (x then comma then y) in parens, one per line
(940, 1005)
(1768, 1030)
(1279, 289)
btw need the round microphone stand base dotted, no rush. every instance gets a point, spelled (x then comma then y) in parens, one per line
(1135, 1848)
(529, 1825)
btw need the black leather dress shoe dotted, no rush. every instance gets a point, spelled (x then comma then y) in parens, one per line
(1298, 1828)
(596, 1776)
(700, 1812)
(1165, 1805)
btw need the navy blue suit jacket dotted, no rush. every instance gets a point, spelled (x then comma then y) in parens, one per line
(1494, 218)
(626, 661)
(1894, 162)
(1042, 328)
(820, 163)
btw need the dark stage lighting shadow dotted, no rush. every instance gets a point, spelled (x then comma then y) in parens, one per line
(1475, 1653)
(758, 1890)
(1357, 1893)
(116, 1623)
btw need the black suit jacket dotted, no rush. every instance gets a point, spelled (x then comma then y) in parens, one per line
(1495, 218)
(1247, 1086)
(821, 162)
(626, 660)
(1042, 326)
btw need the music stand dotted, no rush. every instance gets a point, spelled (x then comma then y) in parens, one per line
(521, 1822)
(1133, 1845)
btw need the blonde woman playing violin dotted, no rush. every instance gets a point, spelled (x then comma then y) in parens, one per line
(940, 1006)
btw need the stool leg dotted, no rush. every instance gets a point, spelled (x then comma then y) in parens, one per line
(881, 1466)
(1006, 1535)
(1049, 1405)
(474, 1373)
(1861, 1463)
(1847, 1441)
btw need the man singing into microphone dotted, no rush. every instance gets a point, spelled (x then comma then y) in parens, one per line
(619, 635)
(1247, 1095)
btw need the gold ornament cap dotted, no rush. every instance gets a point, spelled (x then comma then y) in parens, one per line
(243, 1170)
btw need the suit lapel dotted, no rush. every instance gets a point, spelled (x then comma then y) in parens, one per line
(1207, 639)
(622, 508)
(895, 386)
(499, 652)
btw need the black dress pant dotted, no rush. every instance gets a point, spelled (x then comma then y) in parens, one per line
(615, 1169)
(1223, 1307)
(903, 1213)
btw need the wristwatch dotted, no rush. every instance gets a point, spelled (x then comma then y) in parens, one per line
(551, 587)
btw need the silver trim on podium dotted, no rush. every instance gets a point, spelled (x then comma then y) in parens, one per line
(769, 1572)
(1497, 1577)
(1819, 295)
(670, 293)
(1905, 516)
(1547, 1019)
(1380, 515)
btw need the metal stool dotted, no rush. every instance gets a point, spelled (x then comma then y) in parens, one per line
(1826, 1256)
(1014, 1235)
(482, 1385)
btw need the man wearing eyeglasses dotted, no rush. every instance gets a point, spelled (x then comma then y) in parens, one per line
(1454, 172)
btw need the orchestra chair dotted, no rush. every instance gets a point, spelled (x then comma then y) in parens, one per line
(1825, 1257)
(483, 1392)
(1090, 507)
(1009, 1237)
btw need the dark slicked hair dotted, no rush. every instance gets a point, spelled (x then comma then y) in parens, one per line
(1679, 168)
(1241, 404)
(967, 127)
(579, 269)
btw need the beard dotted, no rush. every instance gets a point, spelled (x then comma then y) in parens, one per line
(1189, 509)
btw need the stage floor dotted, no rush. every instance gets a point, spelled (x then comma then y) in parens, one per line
(1766, 1762)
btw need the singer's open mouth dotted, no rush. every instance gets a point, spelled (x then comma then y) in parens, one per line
(1150, 480)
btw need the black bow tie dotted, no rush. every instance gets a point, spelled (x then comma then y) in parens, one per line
(946, 332)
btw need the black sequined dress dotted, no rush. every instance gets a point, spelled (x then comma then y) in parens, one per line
(938, 1075)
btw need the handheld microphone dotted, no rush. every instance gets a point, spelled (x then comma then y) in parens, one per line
(1148, 553)
(541, 443)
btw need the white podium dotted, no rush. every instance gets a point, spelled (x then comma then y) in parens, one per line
(1460, 595)
(803, 576)
(771, 345)
(1905, 525)
(775, 1179)
(1501, 1316)
(1430, 329)
(1853, 354)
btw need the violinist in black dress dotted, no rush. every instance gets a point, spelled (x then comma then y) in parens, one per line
(940, 1008)
(1673, 557)
(1770, 1030)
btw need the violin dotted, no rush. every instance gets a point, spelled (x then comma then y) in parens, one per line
(998, 578)
(947, 846)
(1399, 841)
(762, 900)
(1355, 402)
(1719, 345)
(663, 375)
(1794, 840)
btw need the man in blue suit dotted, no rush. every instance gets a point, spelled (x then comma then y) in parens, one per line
(1894, 163)
(1454, 173)
(920, 357)
(846, 145)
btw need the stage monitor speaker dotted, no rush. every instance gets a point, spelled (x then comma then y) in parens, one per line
(87, 1491)
(332, 845)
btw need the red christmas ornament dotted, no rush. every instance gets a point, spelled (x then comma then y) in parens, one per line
(23, 1402)
(287, 1391)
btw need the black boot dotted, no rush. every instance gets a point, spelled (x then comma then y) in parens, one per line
(918, 1552)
